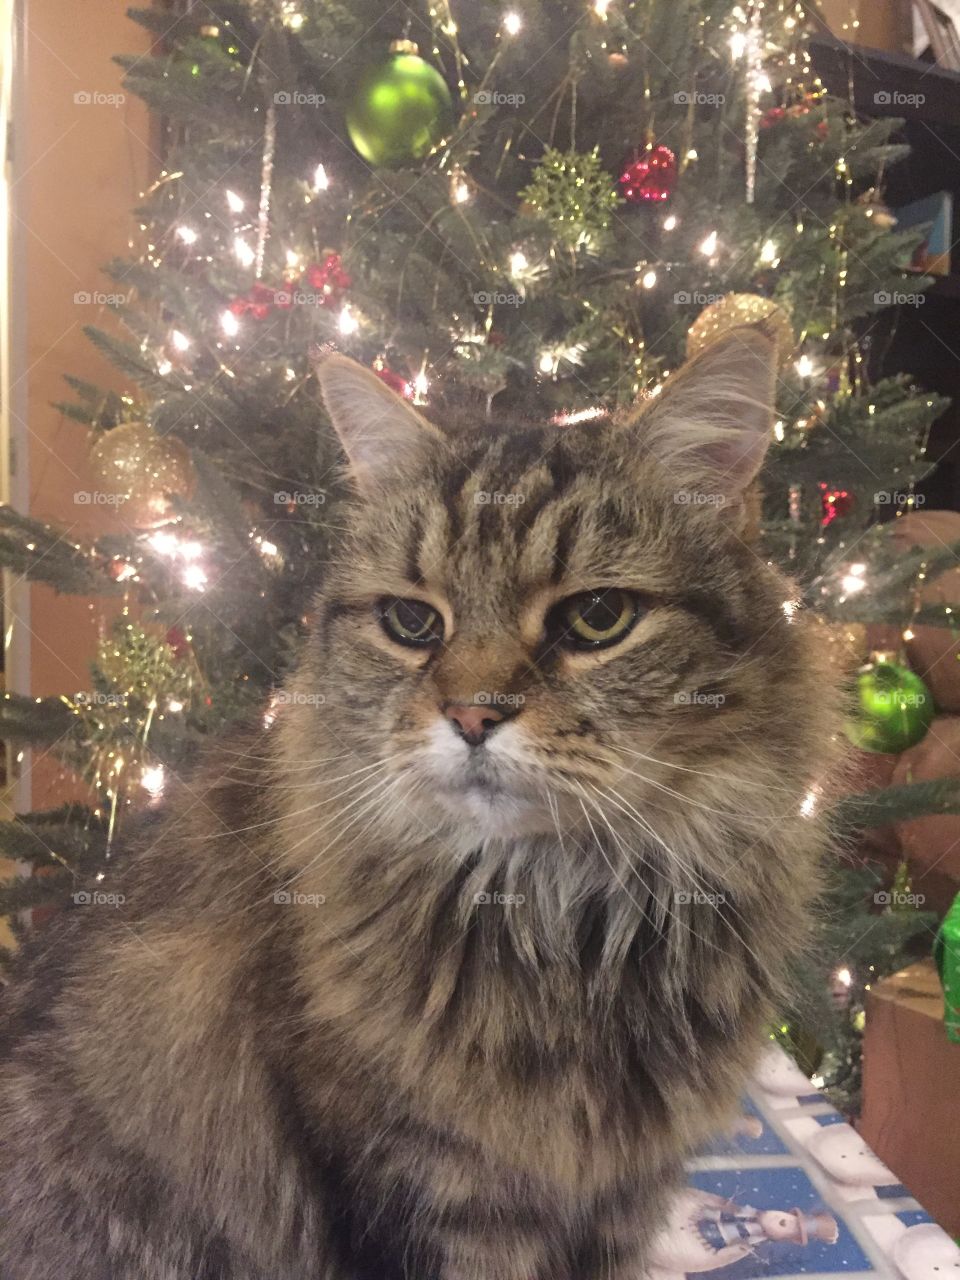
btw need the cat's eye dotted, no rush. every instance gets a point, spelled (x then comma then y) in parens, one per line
(595, 619)
(412, 622)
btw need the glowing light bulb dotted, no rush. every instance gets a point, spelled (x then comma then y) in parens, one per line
(669, 224)
(844, 977)
(293, 258)
(164, 367)
(229, 324)
(194, 577)
(234, 202)
(175, 705)
(804, 367)
(738, 44)
(778, 428)
(165, 544)
(187, 235)
(321, 181)
(649, 279)
(768, 253)
(512, 23)
(461, 191)
(518, 262)
(348, 322)
(708, 247)
(244, 254)
(153, 779)
(546, 362)
(180, 340)
(421, 385)
(600, 8)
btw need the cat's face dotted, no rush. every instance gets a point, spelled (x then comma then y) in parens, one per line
(543, 629)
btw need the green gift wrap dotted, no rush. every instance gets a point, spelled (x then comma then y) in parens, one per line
(946, 953)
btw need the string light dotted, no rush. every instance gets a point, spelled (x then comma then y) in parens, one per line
(768, 253)
(347, 323)
(234, 202)
(708, 246)
(649, 279)
(805, 367)
(180, 340)
(854, 579)
(244, 254)
(229, 323)
(600, 8)
(321, 181)
(187, 235)
(153, 779)
(194, 577)
(738, 44)
(669, 224)
(512, 23)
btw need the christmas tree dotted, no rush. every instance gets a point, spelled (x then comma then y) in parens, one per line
(534, 210)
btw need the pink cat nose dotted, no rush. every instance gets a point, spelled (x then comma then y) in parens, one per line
(472, 721)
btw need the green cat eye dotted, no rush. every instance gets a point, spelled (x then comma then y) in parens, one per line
(412, 622)
(595, 619)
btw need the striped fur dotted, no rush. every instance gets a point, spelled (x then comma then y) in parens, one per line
(479, 1039)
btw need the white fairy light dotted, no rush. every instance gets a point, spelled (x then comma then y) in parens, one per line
(600, 8)
(180, 340)
(165, 544)
(244, 254)
(234, 202)
(175, 706)
(805, 367)
(670, 223)
(348, 322)
(708, 246)
(421, 385)
(268, 548)
(153, 779)
(229, 323)
(854, 579)
(321, 180)
(738, 44)
(461, 191)
(518, 262)
(187, 235)
(779, 427)
(191, 550)
(164, 367)
(194, 577)
(648, 279)
(293, 258)
(844, 977)
(546, 362)
(512, 23)
(769, 254)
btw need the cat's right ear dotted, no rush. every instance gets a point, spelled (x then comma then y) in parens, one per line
(383, 436)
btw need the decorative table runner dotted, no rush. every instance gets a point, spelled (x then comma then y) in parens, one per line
(795, 1191)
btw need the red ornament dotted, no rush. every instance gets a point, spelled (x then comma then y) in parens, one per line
(772, 116)
(650, 177)
(329, 277)
(834, 503)
(178, 642)
(395, 381)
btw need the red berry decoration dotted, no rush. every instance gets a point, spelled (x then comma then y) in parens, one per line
(329, 277)
(835, 503)
(650, 177)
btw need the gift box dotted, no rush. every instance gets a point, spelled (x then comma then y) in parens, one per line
(911, 1083)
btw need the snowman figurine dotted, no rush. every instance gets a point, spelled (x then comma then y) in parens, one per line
(705, 1231)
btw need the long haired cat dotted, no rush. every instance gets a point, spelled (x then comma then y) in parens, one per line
(441, 976)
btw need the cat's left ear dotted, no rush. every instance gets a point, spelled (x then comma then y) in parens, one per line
(711, 426)
(383, 436)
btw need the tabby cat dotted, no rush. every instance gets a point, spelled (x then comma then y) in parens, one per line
(441, 975)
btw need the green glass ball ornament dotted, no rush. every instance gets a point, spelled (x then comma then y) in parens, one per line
(400, 108)
(894, 711)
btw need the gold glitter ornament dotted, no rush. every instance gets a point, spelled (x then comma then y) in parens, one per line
(733, 312)
(142, 471)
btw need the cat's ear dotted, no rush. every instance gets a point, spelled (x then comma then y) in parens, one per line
(712, 424)
(383, 436)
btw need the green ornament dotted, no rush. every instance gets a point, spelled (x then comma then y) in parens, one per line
(946, 954)
(895, 709)
(401, 109)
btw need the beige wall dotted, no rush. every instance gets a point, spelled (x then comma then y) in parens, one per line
(878, 24)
